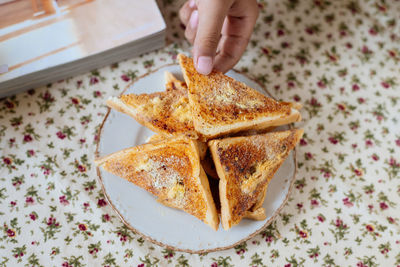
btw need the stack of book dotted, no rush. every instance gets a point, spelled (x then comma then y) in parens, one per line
(42, 41)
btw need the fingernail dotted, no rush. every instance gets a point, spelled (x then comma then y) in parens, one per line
(192, 4)
(194, 19)
(204, 65)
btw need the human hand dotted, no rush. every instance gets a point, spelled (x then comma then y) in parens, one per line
(219, 31)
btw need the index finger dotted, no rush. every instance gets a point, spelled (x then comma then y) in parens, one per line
(211, 18)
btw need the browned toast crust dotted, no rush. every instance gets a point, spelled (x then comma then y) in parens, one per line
(245, 166)
(171, 171)
(165, 113)
(222, 105)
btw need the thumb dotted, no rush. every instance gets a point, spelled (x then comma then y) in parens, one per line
(211, 18)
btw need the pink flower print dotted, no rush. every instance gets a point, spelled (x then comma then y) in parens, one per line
(48, 97)
(361, 100)
(391, 220)
(269, 239)
(29, 201)
(358, 172)
(82, 227)
(81, 168)
(303, 234)
(393, 162)
(79, 83)
(10, 233)
(398, 142)
(75, 100)
(314, 203)
(285, 45)
(341, 107)
(9, 104)
(93, 80)
(333, 140)
(266, 51)
(86, 205)
(32, 216)
(355, 87)
(385, 85)
(7, 161)
(299, 206)
(61, 135)
(365, 50)
(303, 142)
(339, 223)
(321, 84)
(63, 200)
(125, 78)
(280, 32)
(308, 156)
(106, 217)
(347, 203)
(383, 206)
(369, 143)
(326, 174)
(373, 31)
(27, 138)
(314, 102)
(101, 202)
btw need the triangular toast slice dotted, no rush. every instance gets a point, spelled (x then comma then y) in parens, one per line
(167, 113)
(221, 105)
(245, 166)
(171, 171)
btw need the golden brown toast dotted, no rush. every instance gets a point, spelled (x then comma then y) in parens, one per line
(255, 213)
(221, 105)
(172, 83)
(171, 171)
(245, 166)
(167, 113)
(203, 148)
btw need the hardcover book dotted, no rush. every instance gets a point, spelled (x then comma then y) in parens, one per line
(42, 41)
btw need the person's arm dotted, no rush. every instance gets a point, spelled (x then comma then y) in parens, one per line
(219, 31)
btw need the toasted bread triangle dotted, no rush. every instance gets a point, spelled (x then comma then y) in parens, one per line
(167, 113)
(222, 105)
(171, 171)
(245, 166)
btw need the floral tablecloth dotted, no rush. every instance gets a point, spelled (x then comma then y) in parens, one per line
(340, 59)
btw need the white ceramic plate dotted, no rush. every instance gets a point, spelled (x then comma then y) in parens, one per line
(162, 225)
